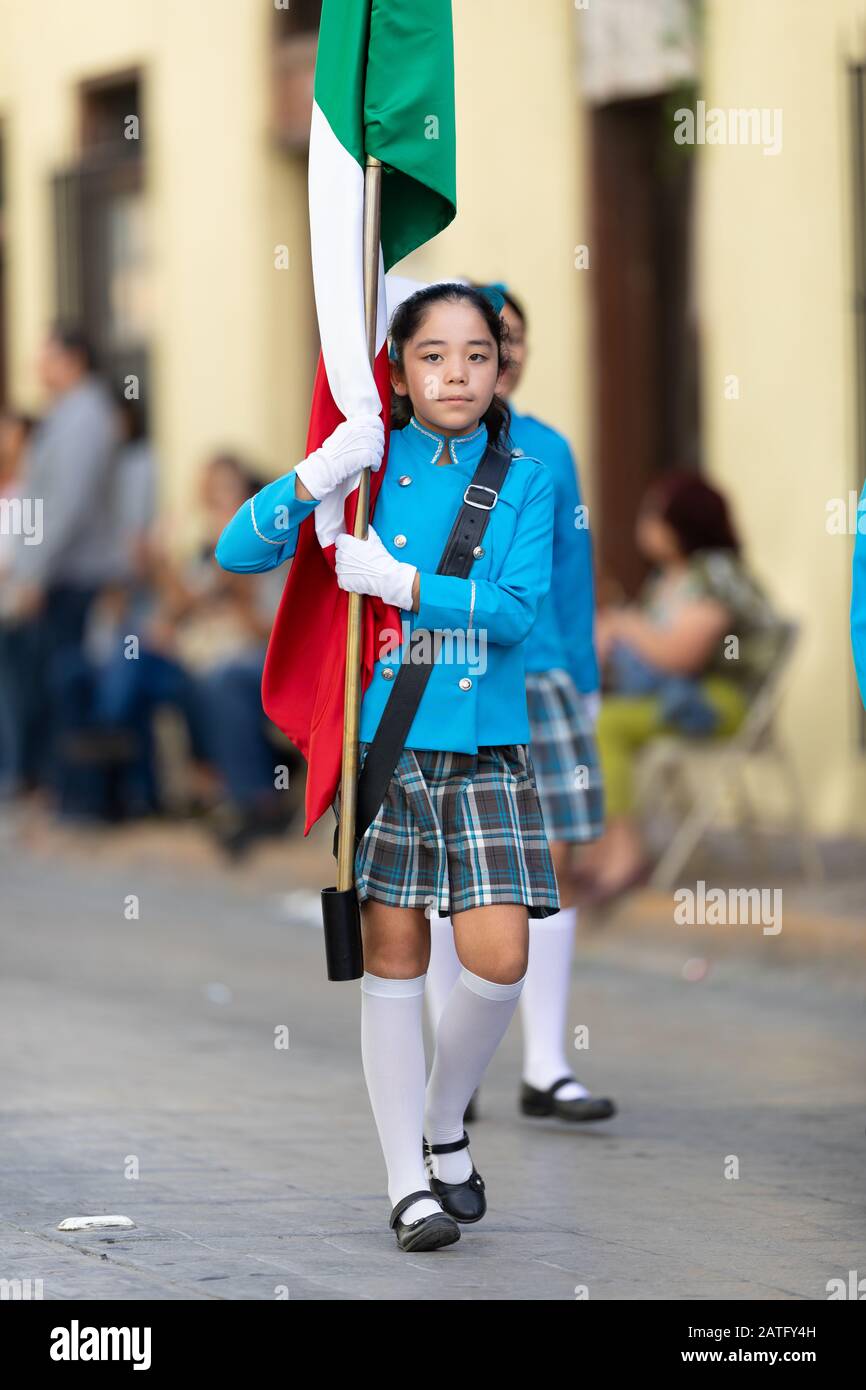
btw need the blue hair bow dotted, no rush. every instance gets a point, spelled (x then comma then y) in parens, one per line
(496, 293)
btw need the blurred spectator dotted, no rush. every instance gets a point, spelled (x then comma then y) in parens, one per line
(201, 650)
(128, 598)
(99, 762)
(133, 496)
(687, 658)
(69, 472)
(15, 430)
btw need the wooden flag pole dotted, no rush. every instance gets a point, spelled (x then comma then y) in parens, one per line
(352, 712)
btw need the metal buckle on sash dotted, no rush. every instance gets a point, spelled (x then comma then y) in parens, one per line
(479, 487)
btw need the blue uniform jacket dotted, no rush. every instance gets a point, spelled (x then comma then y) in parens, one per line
(563, 632)
(476, 693)
(858, 599)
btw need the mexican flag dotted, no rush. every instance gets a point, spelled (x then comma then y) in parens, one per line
(384, 86)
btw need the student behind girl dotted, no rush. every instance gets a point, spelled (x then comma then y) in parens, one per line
(562, 683)
(858, 598)
(460, 828)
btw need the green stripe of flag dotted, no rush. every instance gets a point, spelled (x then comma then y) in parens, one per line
(385, 83)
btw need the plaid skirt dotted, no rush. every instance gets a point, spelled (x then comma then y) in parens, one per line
(456, 831)
(565, 758)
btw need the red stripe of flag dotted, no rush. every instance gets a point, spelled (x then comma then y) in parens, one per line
(303, 682)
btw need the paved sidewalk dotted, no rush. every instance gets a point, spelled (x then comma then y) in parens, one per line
(148, 1045)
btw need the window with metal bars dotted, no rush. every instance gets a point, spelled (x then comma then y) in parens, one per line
(100, 233)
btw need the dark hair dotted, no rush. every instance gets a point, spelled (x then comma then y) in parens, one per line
(72, 338)
(516, 305)
(407, 319)
(27, 423)
(130, 408)
(696, 512)
(253, 483)
(500, 288)
(248, 480)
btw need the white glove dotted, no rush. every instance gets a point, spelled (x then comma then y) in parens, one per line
(354, 444)
(366, 567)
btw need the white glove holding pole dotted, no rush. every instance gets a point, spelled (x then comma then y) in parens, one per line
(354, 445)
(366, 567)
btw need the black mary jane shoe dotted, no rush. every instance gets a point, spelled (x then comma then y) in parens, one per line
(533, 1102)
(465, 1201)
(428, 1232)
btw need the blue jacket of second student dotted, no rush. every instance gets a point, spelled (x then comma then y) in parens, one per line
(476, 693)
(563, 633)
(858, 599)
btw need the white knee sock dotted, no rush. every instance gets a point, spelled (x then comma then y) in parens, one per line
(392, 1055)
(471, 1027)
(444, 967)
(544, 1003)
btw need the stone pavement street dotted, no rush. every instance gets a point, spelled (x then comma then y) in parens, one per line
(140, 1077)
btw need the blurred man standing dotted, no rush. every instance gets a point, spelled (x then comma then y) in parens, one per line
(58, 570)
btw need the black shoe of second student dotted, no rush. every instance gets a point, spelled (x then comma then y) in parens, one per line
(428, 1232)
(465, 1201)
(238, 829)
(538, 1103)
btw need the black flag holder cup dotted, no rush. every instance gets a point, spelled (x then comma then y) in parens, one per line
(341, 911)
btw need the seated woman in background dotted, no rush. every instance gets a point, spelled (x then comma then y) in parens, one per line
(686, 658)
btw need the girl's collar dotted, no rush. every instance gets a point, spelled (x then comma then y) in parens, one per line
(429, 444)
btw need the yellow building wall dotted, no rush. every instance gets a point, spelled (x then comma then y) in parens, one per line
(232, 333)
(522, 208)
(775, 300)
(233, 336)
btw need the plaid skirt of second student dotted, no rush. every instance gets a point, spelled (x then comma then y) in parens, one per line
(456, 831)
(565, 758)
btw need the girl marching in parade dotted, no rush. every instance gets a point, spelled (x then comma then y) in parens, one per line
(562, 683)
(460, 828)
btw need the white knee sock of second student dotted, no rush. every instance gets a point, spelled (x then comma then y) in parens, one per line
(471, 1027)
(392, 1055)
(544, 1003)
(444, 967)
